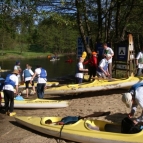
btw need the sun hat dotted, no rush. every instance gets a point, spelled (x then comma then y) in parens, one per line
(15, 72)
(127, 99)
(94, 53)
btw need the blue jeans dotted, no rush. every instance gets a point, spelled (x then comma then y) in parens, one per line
(40, 90)
(78, 80)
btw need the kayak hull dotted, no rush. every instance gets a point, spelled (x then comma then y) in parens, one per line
(80, 132)
(38, 103)
(96, 85)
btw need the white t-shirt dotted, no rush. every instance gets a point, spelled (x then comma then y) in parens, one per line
(28, 78)
(78, 74)
(16, 67)
(140, 55)
(109, 51)
(102, 64)
(40, 80)
(14, 78)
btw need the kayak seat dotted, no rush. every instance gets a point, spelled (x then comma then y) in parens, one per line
(54, 119)
(113, 128)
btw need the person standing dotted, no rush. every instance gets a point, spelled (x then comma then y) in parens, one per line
(42, 79)
(92, 65)
(80, 71)
(27, 75)
(17, 67)
(139, 63)
(10, 83)
(108, 50)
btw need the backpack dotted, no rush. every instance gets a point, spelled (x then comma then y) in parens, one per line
(128, 126)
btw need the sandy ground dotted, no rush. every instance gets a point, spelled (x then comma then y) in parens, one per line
(82, 104)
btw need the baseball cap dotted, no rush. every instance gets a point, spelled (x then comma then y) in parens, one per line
(127, 99)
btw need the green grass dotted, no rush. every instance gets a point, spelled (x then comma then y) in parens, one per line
(16, 54)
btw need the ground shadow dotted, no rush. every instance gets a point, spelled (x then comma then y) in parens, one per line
(39, 133)
(86, 94)
(117, 117)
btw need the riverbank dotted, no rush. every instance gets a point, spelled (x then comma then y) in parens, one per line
(27, 55)
(82, 104)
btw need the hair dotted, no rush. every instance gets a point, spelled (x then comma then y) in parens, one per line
(104, 44)
(49, 121)
(38, 66)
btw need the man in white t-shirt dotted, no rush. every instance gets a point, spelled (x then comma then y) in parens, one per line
(139, 63)
(17, 67)
(132, 99)
(27, 75)
(102, 70)
(80, 70)
(108, 50)
(10, 83)
(42, 79)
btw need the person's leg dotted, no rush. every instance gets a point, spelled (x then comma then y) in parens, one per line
(38, 90)
(78, 80)
(27, 86)
(110, 69)
(139, 70)
(11, 97)
(94, 71)
(42, 89)
(33, 87)
(6, 100)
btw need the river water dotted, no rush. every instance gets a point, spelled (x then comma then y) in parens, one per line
(54, 69)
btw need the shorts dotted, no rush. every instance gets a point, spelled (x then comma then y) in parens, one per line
(28, 82)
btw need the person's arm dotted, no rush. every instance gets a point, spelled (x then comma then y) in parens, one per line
(133, 110)
(33, 77)
(16, 86)
(23, 76)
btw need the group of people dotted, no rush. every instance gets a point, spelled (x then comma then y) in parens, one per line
(13, 80)
(102, 69)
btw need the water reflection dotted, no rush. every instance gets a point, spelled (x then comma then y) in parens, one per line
(54, 68)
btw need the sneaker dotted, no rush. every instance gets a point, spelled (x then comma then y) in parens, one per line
(12, 113)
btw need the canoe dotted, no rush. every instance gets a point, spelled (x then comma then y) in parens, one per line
(4, 70)
(96, 85)
(84, 131)
(38, 103)
(35, 84)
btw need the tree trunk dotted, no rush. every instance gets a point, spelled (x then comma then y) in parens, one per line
(81, 28)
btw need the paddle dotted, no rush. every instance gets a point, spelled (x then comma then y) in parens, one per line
(97, 114)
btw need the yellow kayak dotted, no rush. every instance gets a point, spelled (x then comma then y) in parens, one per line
(35, 84)
(96, 85)
(38, 103)
(84, 131)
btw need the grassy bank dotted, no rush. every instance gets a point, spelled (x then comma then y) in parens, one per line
(14, 54)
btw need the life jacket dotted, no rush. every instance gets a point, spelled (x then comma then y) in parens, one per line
(43, 73)
(77, 69)
(9, 81)
(70, 119)
(105, 68)
(27, 73)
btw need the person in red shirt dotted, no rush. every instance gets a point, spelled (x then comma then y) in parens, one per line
(93, 64)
